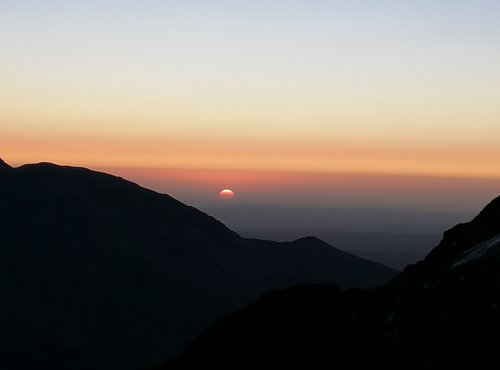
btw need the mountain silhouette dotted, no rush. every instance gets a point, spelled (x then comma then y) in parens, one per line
(442, 312)
(4, 166)
(100, 273)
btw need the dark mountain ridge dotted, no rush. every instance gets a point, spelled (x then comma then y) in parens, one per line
(456, 243)
(100, 273)
(3, 165)
(442, 312)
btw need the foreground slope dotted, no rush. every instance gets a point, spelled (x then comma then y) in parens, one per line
(443, 312)
(99, 273)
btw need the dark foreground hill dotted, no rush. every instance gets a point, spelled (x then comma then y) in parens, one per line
(441, 313)
(99, 273)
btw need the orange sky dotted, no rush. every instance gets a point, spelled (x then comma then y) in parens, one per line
(427, 159)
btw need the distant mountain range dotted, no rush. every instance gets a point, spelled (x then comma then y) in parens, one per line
(441, 313)
(396, 250)
(99, 273)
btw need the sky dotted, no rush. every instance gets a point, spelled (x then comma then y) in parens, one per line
(374, 103)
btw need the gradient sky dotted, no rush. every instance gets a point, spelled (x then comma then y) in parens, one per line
(376, 101)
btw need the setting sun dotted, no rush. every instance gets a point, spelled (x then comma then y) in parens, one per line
(226, 194)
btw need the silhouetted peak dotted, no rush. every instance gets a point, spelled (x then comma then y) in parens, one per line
(41, 165)
(4, 165)
(462, 245)
(309, 239)
(491, 211)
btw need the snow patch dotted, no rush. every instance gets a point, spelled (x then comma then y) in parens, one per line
(478, 251)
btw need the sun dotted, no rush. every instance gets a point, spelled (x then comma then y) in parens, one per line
(226, 194)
